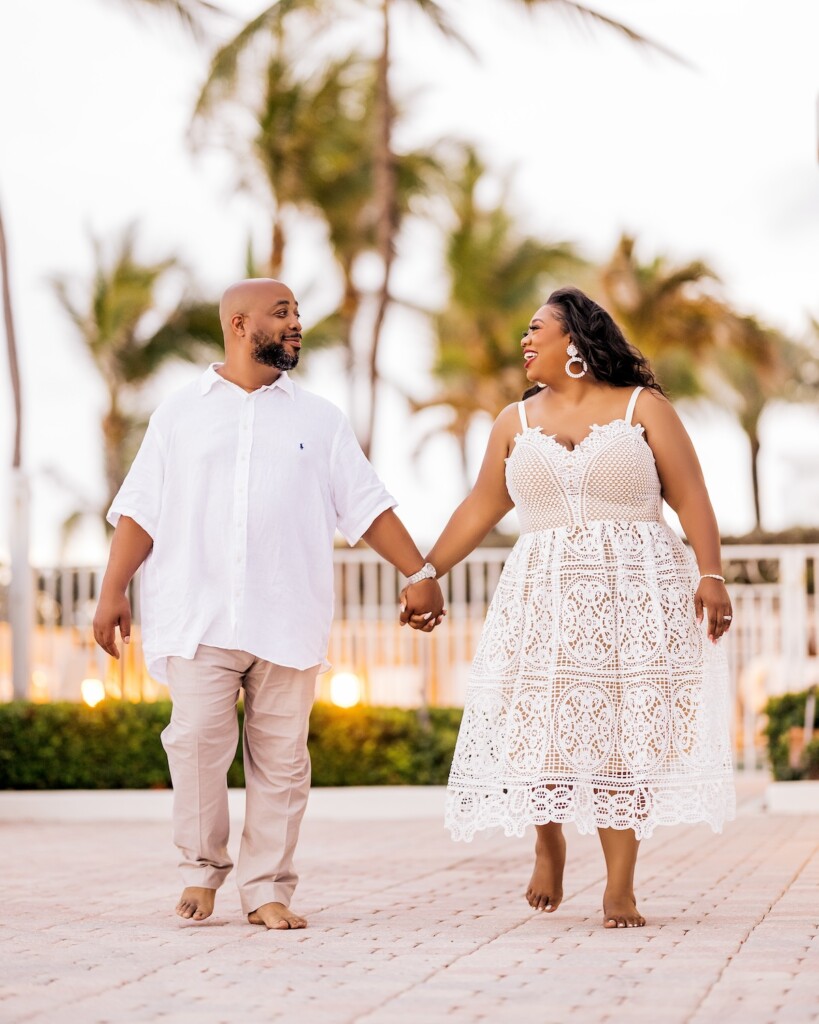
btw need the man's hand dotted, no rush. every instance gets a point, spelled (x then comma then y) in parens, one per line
(112, 611)
(422, 605)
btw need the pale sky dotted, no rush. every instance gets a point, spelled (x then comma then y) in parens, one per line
(717, 162)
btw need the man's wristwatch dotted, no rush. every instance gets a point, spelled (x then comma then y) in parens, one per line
(426, 572)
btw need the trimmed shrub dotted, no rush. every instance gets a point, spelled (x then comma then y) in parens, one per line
(117, 746)
(784, 714)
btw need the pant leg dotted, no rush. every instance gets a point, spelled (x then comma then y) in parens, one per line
(200, 742)
(277, 780)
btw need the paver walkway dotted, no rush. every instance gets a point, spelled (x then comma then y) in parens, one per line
(407, 927)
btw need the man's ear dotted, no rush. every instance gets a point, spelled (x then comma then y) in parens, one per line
(237, 322)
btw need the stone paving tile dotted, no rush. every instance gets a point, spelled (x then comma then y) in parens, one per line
(406, 926)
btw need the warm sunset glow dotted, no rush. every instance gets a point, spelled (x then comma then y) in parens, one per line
(345, 689)
(92, 691)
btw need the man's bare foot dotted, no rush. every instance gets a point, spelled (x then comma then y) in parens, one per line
(545, 890)
(621, 912)
(276, 917)
(196, 903)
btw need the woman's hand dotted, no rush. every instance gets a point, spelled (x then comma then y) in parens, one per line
(422, 605)
(712, 598)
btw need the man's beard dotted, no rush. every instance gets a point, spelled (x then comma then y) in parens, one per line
(272, 353)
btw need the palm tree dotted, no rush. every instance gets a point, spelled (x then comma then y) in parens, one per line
(498, 277)
(312, 144)
(338, 179)
(765, 366)
(385, 159)
(285, 162)
(20, 590)
(670, 312)
(115, 321)
(699, 346)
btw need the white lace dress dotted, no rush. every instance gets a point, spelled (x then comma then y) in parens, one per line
(595, 695)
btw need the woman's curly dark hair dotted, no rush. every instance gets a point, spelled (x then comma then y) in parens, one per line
(599, 341)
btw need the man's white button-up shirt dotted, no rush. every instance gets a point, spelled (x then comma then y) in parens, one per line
(242, 495)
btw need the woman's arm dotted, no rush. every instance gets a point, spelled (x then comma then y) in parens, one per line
(487, 502)
(484, 507)
(683, 487)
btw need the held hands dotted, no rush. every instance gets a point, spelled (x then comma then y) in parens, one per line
(422, 605)
(712, 598)
(112, 611)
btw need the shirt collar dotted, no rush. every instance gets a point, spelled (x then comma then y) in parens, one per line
(210, 377)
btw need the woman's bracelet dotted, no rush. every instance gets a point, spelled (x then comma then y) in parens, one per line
(712, 576)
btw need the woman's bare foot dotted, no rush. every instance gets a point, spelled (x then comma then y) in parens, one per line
(545, 890)
(276, 917)
(621, 911)
(196, 902)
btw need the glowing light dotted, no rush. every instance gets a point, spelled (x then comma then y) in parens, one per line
(92, 691)
(40, 679)
(345, 689)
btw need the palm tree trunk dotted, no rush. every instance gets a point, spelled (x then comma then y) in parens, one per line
(11, 341)
(21, 600)
(114, 434)
(753, 438)
(350, 305)
(385, 188)
(277, 247)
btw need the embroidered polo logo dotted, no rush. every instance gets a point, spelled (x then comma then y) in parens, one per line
(301, 445)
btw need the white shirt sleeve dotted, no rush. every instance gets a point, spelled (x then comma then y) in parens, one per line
(359, 495)
(140, 497)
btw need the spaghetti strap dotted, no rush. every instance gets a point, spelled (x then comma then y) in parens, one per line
(522, 414)
(631, 403)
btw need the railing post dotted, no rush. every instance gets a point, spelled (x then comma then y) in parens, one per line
(793, 615)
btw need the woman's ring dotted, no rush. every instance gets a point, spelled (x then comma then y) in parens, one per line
(727, 618)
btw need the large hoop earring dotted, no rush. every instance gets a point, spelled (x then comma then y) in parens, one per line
(574, 357)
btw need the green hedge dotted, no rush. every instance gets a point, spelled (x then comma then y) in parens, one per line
(116, 746)
(784, 713)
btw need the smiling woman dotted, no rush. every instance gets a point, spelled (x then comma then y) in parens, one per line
(596, 345)
(596, 696)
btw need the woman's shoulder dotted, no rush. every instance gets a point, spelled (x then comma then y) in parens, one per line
(650, 402)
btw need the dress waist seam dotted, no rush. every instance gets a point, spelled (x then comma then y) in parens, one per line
(593, 522)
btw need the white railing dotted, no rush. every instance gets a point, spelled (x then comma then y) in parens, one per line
(771, 646)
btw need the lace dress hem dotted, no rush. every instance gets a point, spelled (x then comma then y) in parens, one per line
(642, 808)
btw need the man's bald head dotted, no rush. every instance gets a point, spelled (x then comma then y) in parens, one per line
(247, 297)
(260, 322)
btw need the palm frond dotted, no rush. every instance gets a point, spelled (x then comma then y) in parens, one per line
(440, 20)
(588, 14)
(327, 333)
(224, 66)
(190, 333)
(188, 12)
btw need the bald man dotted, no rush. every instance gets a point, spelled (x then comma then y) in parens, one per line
(232, 504)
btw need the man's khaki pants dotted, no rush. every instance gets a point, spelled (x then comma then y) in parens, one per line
(201, 742)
